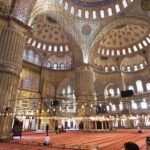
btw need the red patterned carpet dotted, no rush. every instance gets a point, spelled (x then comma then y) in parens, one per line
(77, 140)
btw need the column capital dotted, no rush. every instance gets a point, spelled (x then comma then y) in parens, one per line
(14, 23)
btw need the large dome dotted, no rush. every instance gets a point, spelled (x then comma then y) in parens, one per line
(91, 3)
(93, 9)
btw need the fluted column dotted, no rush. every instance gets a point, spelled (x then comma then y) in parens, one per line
(84, 87)
(12, 42)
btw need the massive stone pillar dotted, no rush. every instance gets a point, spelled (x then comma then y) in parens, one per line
(84, 87)
(12, 42)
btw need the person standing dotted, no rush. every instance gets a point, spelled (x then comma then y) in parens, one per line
(47, 128)
(139, 128)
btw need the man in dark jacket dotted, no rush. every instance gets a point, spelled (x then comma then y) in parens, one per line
(47, 128)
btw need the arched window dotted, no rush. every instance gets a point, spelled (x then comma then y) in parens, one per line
(118, 91)
(112, 52)
(124, 52)
(123, 68)
(55, 66)
(117, 8)
(26, 82)
(111, 92)
(145, 43)
(50, 48)
(62, 66)
(25, 55)
(36, 59)
(128, 68)
(110, 11)
(148, 87)
(30, 56)
(39, 45)
(125, 4)
(34, 43)
(72, 10)
(113, 107)
(113, 68)
(144, 104)
(131, 88)
(68, 89)
(49, 65)
(87, 14)
(61, 48)
(129, 50)
(148, 40)
(134, 105)
(103, 51)
(44, 46)
(135, 68)
(135, 48)
(102, 14)
(94, 15)
(140, 45)
(107, 52)
(29, 40)
(106, 69)
(139, 86)
(118, 53)
(63, 91)
(66, 6)
(55, 48)
(66, 48)
(141, 66)
(79, 13)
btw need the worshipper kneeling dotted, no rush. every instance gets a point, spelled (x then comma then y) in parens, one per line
(46, 140)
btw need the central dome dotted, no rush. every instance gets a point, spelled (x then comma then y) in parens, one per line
(91, 3)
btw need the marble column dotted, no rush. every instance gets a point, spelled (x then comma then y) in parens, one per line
(84, 87)
(12, 42)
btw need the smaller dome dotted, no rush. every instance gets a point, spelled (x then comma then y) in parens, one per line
(133, 63)
(59, 63)
(124, 36)
(104, 61)
(105, 64)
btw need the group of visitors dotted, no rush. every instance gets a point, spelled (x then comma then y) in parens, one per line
(59, 129)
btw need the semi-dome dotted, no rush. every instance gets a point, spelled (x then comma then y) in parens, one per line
(133, 63)
(105, 64)
(48, 30)
(124, 40)
(52, 42)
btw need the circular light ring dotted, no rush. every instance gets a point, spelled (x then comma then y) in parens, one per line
(96, 9)
(59, 48)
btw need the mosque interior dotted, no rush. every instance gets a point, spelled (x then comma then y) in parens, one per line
(83, 64)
